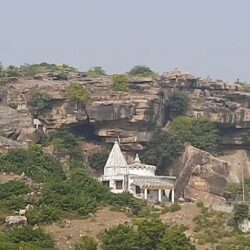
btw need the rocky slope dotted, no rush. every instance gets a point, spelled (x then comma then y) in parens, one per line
(134, 116)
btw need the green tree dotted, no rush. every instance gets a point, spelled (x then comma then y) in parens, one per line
(175, 239)
(201, 132)
(77, 94)
(40, 101)
(150, 232)
(121, 237)
(120, 83)
(162, 151)
(141, 70)
(178, 104)
(98, 159)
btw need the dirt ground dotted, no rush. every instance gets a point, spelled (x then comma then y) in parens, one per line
(66, 237)
(4, 177)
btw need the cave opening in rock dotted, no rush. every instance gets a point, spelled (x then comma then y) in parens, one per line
(85, 131)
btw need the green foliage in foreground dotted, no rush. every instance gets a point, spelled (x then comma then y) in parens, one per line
(178, 104)
(25, 238)
(141, 70)
(162, 151)
(33, 162)
(88, 243)
(13, 195)
(150, 234)
(120, 83)
(201, 133)
(241, 212)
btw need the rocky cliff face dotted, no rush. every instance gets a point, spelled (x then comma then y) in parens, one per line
(135, 116)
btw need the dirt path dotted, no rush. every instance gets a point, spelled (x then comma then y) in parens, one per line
(66, 237)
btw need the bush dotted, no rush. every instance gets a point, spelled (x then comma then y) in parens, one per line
(241, 212)
(120, 83)
(200, 204)
(201, 133)
(178, 104)
(45, 214)
(29, 235)
(77, 94)
(33, 162)
(40, 101)
(96, 71)
(141, 70)
(88, 243)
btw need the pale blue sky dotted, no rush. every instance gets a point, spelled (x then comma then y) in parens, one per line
(204, 37)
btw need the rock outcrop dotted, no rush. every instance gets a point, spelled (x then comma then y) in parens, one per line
(202, 171)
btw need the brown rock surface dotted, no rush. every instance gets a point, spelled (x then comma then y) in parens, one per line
(200, 170)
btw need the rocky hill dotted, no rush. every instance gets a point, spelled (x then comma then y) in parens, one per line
(135, 116)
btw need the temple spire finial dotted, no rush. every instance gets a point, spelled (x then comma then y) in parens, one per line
(137, 159)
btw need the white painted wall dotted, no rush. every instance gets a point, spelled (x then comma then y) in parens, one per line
(142, 171)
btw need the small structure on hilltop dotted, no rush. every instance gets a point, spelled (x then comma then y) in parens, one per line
(137, 178)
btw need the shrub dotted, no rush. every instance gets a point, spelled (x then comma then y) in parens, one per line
(40, 101)
(141, 70)
(178, 104)
(96, 71)
(45, 214)
(120, 83)
(241, 212)
(77, 94)
(200, 204)
(33, 162)
(88, 243)
(29, 235)
(201, 133)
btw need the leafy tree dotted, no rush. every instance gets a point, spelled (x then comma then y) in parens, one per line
(122, 237)
(150, 232)
(141, 70)
(96, 71)
(175, 239)
(201, 132)
(162, 151)
(88, 243)
(98, 159)
(40, 101)
(120, 83)
(77, 94)
(178, 104)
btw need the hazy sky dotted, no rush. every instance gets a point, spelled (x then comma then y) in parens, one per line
(204, 37)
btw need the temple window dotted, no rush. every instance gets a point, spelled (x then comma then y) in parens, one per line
(118, 184)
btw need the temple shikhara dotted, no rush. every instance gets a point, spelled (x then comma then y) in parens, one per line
(137, 178)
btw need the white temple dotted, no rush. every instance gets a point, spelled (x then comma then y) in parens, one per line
(137, 178)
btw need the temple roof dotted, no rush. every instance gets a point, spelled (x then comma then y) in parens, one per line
(138, 164)
(116, 158)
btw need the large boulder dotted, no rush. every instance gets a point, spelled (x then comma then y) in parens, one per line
(16, 220)
(29, 134)
(201, 171)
